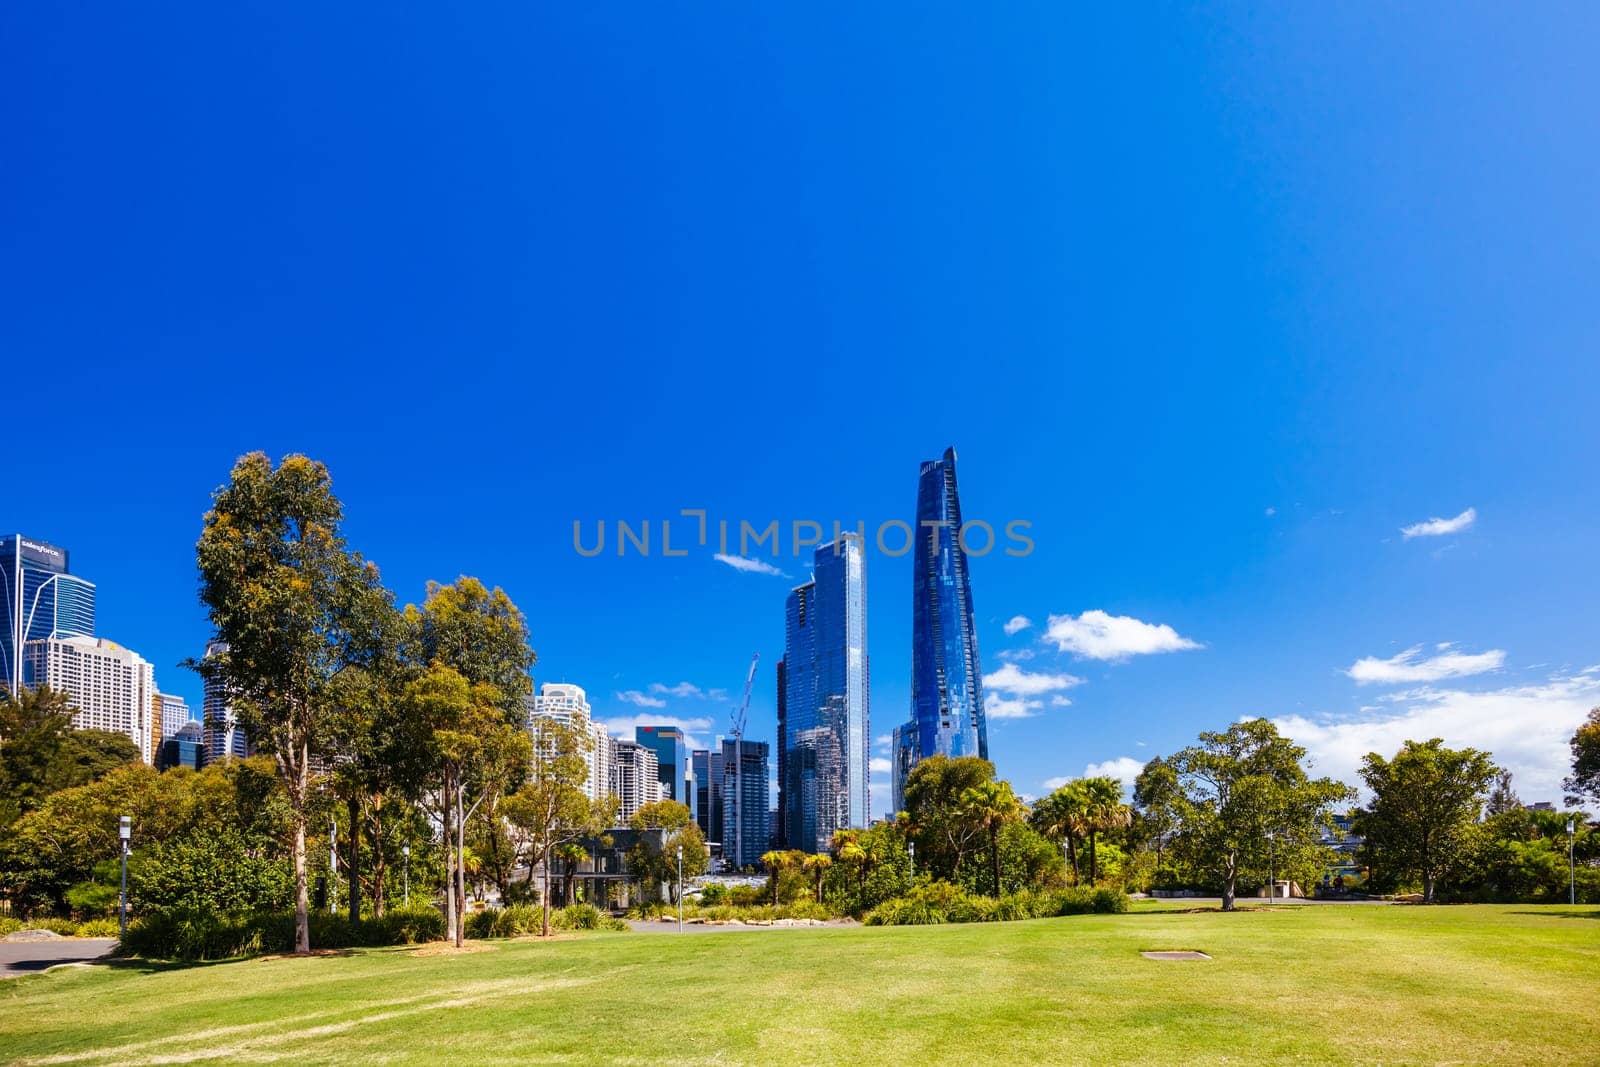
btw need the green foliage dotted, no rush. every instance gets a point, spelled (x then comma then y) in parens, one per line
(1584, 782)
(41, 753)
(193, 936)
(656, 862)
(931, 903)
(99, 928)
(1425, 805)
(941, 825)
(523, 921)
(208, 870)
(9, 925)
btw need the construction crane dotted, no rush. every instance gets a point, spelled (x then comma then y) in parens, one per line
(738, 761)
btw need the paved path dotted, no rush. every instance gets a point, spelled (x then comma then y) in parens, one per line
(30, 957)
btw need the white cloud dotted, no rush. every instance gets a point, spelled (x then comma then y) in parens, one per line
(1012, 679)
(1059, 701)
(1437, 527)
(883, 740)
(1017, 655)
(749, 566)
(1052, 784)
(1097, 635)
(1124, 769)
(1017, 624)
(880, 765)
(1271, 512)
(638, 699)
(1407, 666)
(693, 729)
(682, 689)
(999, 707)
(1526, 727)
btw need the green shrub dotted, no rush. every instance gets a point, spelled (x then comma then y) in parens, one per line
(99, 928)
(191, 935)
(941, 902)
(519, 920)
(8, 925)
(64, 927)
(584, 917)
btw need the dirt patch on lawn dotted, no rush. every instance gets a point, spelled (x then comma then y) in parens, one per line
(445, 948)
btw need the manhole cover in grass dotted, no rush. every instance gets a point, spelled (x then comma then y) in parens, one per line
(1185, 955)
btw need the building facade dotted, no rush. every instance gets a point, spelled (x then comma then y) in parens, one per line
(706, 767)
(826, 753)
(224, 737)
(40, 600)
(672, 759)
(174, 714)
(635, 778)
(746, 781)
(112, 688)
(947, 716)
(185, 747)
(569, 705)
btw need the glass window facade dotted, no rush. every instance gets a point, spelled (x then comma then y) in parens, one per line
(824, 775)
(946, 677)
(40, 600)
(672, 758)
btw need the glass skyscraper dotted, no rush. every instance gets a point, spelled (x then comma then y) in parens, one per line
(825, 749)
(40, 600)
(946, 678)
(747, 822)
(672, 758)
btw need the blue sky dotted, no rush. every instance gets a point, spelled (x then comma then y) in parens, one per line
(1218, 302)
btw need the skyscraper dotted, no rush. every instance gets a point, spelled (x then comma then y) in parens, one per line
(634, 778)
(223, 735)
(946, 678)
(40, 600)
(672, 758)
(826, 743)
(707, 764)
(747, 825)
(174, 714)
(569, 705)
(112, 688)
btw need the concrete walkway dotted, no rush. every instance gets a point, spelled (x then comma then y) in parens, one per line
(30, 957)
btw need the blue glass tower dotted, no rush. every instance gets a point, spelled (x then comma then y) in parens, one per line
(946, 678)
(672, 758)
(826, 745)
(39, 599)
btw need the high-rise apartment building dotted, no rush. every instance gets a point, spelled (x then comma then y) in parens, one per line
(40, 600)
(174, 714)
(946, 677)
(635, 778)
(224, 737)
(112, 688)
(746, 781)
(569, 705)
(707, 769)
(672, 758)
(826, 753)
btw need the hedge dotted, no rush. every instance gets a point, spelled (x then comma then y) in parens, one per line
(207, 936)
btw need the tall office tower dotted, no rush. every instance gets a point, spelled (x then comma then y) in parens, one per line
(946, 678)
(39, 600)
(635, 778)
(778, 834)
(224, 737)
(569, 705)
(185, 747)
(826, 745)
(707, 766)
(174, 714)
(112, 688)
(672, 758)
(902, 757)
(747, 825)
(602, 762)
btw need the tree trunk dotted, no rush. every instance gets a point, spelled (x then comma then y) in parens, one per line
(353, 864)
(302, 897)
(378, 868)
(1227, 887)
(461, 864)
(1072, 854)
(1427, 888)
(994, 858)
(547, 859)
(451, 919)
(1094, 859)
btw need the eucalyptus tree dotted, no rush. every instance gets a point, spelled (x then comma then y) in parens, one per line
(1425, 804)
(293, 608)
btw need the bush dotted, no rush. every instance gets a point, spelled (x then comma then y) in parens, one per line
(64, 927)
(519, 920)
(99, 928)
(584, 917)
(8, 925)
(190, 935)
(941, 902)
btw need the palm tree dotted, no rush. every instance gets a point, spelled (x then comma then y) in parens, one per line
(818, 865)
(1104, 809)
(992, 805)
(1061, 815)
(774, 861)
(847, 849)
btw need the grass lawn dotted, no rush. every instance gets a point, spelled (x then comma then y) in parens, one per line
(1500, 985)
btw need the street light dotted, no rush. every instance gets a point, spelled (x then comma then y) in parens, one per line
(333, 867)
(911, 847)
(124, 831)
(680, 887)
(406, 851)
(1572, 870)
(1272, 868)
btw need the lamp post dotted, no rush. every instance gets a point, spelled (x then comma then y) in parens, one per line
(405, 850)
(1572, 869)
(124, 831)
(911, 847)
(333, 867)
(1272, 866)
(680, 887)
